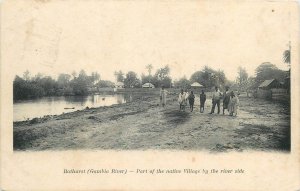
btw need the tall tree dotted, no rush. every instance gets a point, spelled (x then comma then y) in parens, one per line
(63, 80)
(147, 79)
(38, 77)
(131, 80)
(116, 75)
(105, 84)
(23, 89)
(267, 71)
(49, 85)
(197, 77)
(149, 68)
(119, 76)
(287, 55)
(95, 77)
(81, 84)
(162, 77)
(242, 78)
(251, 84)
(209, 77)
(82, 74)
(182, 83)
(163, 72)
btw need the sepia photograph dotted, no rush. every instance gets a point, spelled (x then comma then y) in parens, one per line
(149, 95)
(169, 84)
(205, 110)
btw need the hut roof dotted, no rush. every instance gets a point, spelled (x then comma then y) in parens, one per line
(266, 83)
(196, 84)
(148, 85)
(119, 84)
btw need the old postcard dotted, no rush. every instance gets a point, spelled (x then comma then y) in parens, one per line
(149, 95)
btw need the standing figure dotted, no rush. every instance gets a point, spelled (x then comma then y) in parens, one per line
(233, 105)
(181, 100)
(191, 100)
(226, 99)
(202, 101)
(186, 96)
(216, 100)
(163, 96)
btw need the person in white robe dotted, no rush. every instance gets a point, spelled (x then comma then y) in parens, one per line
(163, 96)
(233, 105)
(181, 100)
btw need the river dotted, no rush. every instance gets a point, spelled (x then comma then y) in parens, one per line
(28, 109)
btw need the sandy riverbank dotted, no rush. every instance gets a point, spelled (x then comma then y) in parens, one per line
(143, 124)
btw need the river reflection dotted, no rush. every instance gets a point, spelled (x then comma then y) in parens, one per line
(58, 105)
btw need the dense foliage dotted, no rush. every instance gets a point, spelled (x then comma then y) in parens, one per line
(131, 80)
(265, 71)
(160, 78)
(183, 83)
(209, 77)
(28, 87)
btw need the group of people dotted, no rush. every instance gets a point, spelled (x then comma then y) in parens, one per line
(230, 101)
(185, 98)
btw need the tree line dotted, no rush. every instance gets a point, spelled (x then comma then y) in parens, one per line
(264, 71)
(28, 87)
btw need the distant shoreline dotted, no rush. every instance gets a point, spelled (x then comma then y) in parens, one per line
(104, 92)
(47, 117)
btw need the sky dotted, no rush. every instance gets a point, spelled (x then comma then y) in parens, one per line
(53, 37)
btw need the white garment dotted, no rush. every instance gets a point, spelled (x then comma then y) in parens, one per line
(181, 97)
(216, 95)
(233, 105)
(163, 95)
(186, 95)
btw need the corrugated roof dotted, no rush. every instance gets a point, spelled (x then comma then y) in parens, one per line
(266, 83)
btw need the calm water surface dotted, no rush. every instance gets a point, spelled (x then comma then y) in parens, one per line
(58, 105)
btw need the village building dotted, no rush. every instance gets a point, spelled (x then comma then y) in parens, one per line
(119, 85)
(272, 89)
(148, 85)
(270, 84)
(196, 85)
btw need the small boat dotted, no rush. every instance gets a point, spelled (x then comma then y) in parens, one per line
(69, 108)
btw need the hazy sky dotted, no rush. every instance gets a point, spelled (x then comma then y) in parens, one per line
(105, 36)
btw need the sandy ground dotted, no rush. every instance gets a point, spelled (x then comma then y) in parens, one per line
(143, 124)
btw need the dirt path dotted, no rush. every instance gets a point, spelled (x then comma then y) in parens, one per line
(143, 125)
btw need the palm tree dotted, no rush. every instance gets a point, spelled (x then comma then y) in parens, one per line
(116, 75)
(287, 60)
(287, 55)
(149, 68)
